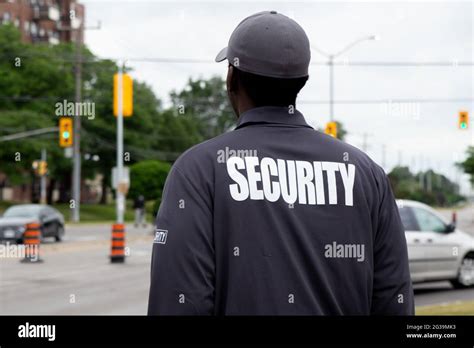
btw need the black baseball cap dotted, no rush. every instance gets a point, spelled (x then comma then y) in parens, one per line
(268, 44)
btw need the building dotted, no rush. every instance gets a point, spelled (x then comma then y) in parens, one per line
(50, 21)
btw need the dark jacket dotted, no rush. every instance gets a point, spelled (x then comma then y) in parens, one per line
(275, 218)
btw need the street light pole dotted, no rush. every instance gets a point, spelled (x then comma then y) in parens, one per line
(331, 87)
(331, 58)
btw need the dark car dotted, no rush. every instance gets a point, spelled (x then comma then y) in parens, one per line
(14, 220)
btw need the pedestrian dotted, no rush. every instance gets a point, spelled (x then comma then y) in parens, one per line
(139, 206)
(294, 221)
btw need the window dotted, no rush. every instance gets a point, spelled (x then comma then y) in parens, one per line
(428, 221)
(33, 29)
(408, 219)
(6, 17)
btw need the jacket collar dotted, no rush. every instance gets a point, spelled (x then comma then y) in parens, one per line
(272, 115)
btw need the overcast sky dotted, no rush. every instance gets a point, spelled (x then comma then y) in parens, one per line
(415, 134)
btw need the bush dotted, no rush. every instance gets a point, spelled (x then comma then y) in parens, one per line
(147, 178)
(156, 206)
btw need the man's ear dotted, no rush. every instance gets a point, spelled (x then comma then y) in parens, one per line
(232, 84)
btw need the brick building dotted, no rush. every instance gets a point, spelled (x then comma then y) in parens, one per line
(50, 21)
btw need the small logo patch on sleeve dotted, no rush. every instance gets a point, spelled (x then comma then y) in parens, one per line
(160, 236)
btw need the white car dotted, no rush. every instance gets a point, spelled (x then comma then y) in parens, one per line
(437, 250)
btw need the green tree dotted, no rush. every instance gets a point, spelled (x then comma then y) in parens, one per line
(206, 105)
(428, 187)
(341, 131)
(33, 78)
(468, 164)
(148, 178)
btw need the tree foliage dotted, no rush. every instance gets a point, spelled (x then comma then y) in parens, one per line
(427, 187)
(33, 78)
(468, 164)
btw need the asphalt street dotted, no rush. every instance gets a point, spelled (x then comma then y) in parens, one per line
(76, 276)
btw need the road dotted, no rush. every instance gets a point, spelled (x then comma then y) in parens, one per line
(76, 276)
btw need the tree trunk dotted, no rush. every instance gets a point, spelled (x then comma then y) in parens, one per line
(64, 189)
(34, 193)
(49, 195)
(103, 197)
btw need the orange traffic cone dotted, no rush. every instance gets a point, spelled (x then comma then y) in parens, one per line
(31, 240)
(118, 244)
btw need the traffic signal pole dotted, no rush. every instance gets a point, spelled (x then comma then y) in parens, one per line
(117, 252)
(43, 178)
(120, 197)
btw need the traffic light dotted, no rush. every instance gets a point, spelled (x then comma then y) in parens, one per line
(42, 168)
(463, 122)
(331, 129)
(65, 132)
(35, 166)
(127, 95)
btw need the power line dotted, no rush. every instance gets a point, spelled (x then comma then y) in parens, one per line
(452, 63)
(389, 100)
(205, 101)
(70, 58)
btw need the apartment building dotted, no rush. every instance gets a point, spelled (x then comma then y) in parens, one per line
(47, 21)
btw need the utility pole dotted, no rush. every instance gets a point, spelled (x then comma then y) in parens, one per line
(120, 201)
(365, 144)
(76, 147)
(429, 183)
(44, 158)
(384, 150)
(331, 87)
(422, 181)
(76, 166)
(413, 164)
(428, 175)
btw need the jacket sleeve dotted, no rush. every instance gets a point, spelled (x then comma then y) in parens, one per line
(182, 265)
(392, 288)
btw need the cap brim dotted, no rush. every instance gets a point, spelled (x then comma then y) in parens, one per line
(222, 55)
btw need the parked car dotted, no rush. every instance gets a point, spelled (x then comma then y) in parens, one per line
(14, 220)
(437, 250)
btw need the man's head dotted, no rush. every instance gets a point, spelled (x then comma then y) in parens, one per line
(268, 55)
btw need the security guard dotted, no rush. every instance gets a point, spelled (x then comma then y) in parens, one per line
(275, 218)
